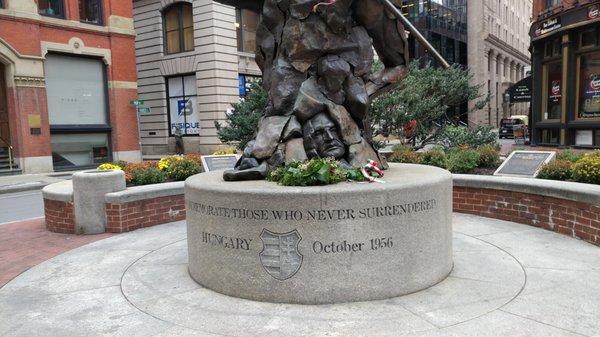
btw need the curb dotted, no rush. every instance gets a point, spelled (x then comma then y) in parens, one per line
(23, 187)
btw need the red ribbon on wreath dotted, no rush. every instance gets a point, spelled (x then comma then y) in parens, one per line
(323, 3)
(369, 168)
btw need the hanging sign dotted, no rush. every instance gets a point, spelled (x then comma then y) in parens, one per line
(548, 26)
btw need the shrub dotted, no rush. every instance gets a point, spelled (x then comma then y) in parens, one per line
(489, 156)
(228, 150)
(242, 123)
(463, 161)
(195, 157)
(180, 170)
(130, 168)
(455, 136)
(147, 176)
(314, 172)
(587, 169)
(435, 157)
(557, 170)
(404, 154)
(569, 155)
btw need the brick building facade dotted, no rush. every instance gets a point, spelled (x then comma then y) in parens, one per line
(67, 75)
(566, 73)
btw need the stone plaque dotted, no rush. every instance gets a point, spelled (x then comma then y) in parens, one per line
(219, 163)
(524, 163)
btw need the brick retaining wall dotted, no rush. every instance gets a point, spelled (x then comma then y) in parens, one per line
(144, 213)
(577, 219)
(59, 216)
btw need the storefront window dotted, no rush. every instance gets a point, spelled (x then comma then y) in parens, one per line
(76, 90)
(51, 8)
(78, 110)
(550, 136)
(588, 38)
(77, 150)
(589, 85)
(90, 11)
(552, 90)
(597, 138)
(179, 28)
(246, 25)
(184, 116)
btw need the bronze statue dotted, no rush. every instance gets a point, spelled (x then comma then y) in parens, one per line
(316, 58)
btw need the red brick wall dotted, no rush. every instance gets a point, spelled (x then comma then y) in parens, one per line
(576, 219)
(26, 34)
(59, 216)
(540, 5)
(144, 213)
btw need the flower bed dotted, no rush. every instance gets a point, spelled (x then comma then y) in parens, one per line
(167, 169)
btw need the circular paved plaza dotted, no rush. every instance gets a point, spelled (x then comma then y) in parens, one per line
(508, 280)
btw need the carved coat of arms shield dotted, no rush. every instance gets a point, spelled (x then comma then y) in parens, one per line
(280, 256)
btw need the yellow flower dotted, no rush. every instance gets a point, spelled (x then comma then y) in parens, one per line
(110, 167)
(166, 162)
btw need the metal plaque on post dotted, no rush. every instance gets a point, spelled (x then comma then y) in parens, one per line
(526, 164)
(219, 162)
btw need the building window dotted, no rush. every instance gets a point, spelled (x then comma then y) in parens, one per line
(90, 11)
(246, 82)
(246, 25)
(588, 38)
(552, 3)
(184, 117)
(1, 3)
(51, 8)
(589, 85)
(179, 28)
(76, 88)
(79, 149)
(549, 136)
(553, 88)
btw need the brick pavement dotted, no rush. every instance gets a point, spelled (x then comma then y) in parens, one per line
(27, 243)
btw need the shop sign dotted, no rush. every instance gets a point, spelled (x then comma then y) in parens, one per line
(521, 91)
(591, 103)
(594, 12)
(555, 89)
(548, 26)
(187, 120)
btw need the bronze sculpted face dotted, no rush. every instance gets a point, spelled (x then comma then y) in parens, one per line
(321, 138)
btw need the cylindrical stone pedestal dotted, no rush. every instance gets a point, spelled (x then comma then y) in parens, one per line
(315, 245)
(89, 206)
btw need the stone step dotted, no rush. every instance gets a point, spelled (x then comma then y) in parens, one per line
(8, 172)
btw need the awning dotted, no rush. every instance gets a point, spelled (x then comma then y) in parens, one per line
(521, 91)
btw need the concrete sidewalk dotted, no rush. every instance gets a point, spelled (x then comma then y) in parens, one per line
(31, 182)
(508, 280)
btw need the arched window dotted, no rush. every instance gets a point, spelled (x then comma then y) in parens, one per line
(179, 28)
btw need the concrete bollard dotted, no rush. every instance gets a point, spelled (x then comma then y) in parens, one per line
(89, 189)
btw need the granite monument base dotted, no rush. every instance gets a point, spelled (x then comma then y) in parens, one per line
(317, 245)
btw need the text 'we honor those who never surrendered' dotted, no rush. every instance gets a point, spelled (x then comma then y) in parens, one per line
(314, 214)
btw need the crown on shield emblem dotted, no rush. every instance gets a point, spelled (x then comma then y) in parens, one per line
(280, 256)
